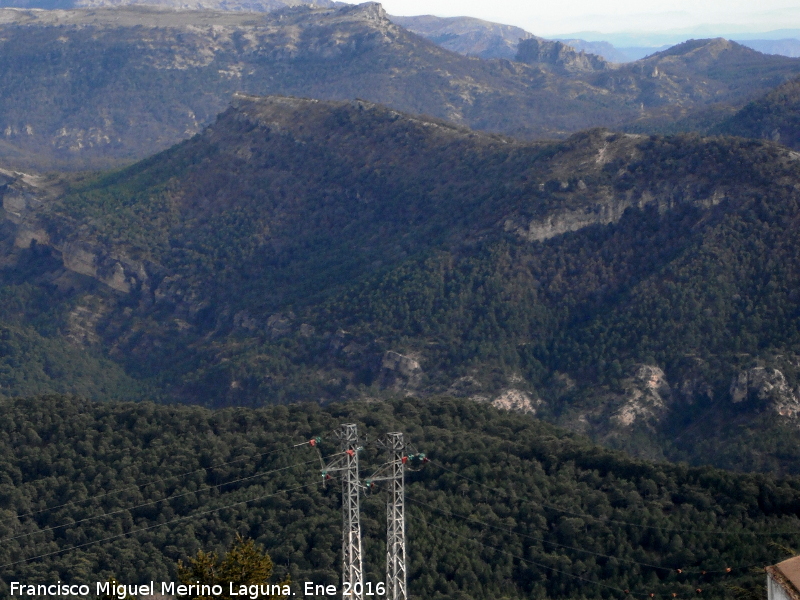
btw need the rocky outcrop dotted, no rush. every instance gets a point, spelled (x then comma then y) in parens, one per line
(24, 202)
(559, 56)
(647, 397)
(82, 322)
(400, 372)
(516, 400)
(573, 220)
(22, 195)
(113, 269)
(280, 325)
(769, 385)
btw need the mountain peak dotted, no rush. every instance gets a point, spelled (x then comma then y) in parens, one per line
(366, 10)
(706, 49)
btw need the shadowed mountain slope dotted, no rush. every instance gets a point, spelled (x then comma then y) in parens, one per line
(628, 286)
(776, 116)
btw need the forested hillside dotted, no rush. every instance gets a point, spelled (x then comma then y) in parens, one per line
(626, 286)
(776, 116)
(506, 507)
(639, 289)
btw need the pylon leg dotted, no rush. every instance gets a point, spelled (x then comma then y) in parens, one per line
(352, 568)
(396, 522)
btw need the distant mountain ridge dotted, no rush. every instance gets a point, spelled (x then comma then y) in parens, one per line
(218, 5)
(474, 37)
(150, 77)
(135, 96)
(466, 35)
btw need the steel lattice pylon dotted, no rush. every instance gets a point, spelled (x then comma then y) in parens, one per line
(352, 568)
(396, 521)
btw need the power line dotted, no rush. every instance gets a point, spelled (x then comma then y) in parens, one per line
(618, 522)
(530, 537)
(581, 514)
(523, 559)
(114, 537)
(122, 510)
(133, 487)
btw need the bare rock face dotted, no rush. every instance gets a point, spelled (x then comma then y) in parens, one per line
(21, 196)
(647, 397)
(82, 322)
(573, 220)
(559, 56)
(516, 400)
(399, 371)
(115, 270)
(769, 385)
(24, 198)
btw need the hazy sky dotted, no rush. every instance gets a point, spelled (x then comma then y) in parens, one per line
(550, 17)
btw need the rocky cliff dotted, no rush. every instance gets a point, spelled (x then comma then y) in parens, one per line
(559, 56)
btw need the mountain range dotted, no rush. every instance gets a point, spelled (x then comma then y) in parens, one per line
(629, 286)
(148, 78)
(216, 5)
(103, 87)
(465, 35)
(573, 284)
(475, 37)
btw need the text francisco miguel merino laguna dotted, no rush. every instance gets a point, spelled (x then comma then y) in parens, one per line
(252, 592)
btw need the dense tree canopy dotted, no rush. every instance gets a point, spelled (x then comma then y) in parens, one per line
(507, 506)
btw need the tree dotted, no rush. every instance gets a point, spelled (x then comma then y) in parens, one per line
(245, 564)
